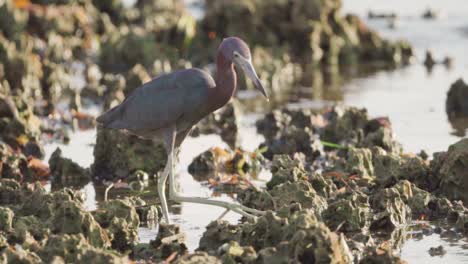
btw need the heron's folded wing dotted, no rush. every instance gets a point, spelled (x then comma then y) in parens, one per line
(160, 102)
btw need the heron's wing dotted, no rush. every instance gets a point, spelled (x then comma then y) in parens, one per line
(160, 102)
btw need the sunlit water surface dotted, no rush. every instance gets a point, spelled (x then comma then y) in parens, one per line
(412, 97)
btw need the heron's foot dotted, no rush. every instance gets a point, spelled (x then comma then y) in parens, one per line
(249, 213)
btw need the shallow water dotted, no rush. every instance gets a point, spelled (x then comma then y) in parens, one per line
(413, 98)
(191, 217)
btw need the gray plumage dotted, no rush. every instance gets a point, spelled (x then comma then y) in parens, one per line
(176, 98)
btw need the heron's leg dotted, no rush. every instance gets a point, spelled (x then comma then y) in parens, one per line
(175, 196)
(162, 191)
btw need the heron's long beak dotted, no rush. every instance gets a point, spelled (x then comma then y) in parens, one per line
(249, 70)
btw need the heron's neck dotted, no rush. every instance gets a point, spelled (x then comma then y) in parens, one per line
(225, 81)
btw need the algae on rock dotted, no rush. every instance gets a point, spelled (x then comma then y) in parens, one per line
(121, 221)
(348, 213)
(451, 169)
(66, 172)
(117, 155)
(71, 218)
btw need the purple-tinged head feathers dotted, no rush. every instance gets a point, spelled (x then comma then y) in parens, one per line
(232, 44)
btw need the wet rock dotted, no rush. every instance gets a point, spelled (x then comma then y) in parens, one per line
(281, 238)
(272, 124)
(68, 247)
(56, 80)
(114, 9)
(71, 218)
(440, 207)
(18, 124)
(13, 20)
(381, 255)
(360, 162)
(258, 199)
(461, 219)
(14, 165)
(301, 192)
(375, 15)
(389, 168)
(121, 221)
(437, 251)
(431, 14)
(147, 213)
(198, 258)
(169, 240)
(233, 253)
(456, 105)
(26, 227)
(390, 210)
(278, 74)
(323, 185)
(313, 32)
(349, 213)
(10, 192)
(7, 107)
(24, 72)
(326, 246)
(275, 123)
(37, 202)
(3, 242)
(217, 164)
(358, 242)
(429, 61)
(218, 233)
(75, 249)
(448, 62)
(352, 126)
(6, 219)
(126, 48)
(419, 201)
(451, 170)
(278, 254)
(292, 141)
(34, 149)
(11, 255)
(67, 172)
(302, 229)
(117, 155)
(203, 165)
(286, 169)
(96, 255)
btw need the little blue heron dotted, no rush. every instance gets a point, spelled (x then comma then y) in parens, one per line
(166, 109)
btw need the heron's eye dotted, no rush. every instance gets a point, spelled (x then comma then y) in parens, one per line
(236, 55)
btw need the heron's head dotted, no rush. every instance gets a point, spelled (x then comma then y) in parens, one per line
(237, 51)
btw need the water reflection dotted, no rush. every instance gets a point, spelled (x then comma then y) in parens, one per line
(423, 236)
(460, 126)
